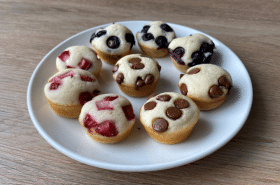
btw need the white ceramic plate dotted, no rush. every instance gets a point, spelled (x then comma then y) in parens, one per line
(139, 152)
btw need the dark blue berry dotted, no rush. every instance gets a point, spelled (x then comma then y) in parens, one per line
(113, 42)
(92, 37)
(145, 29)
(130, 39)
(205, 47)
(166, 27)
(100, 33)
(147, 36)
(162, 42)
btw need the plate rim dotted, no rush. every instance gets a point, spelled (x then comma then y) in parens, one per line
(120, 167)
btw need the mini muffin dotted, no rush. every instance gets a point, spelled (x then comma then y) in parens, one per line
(108, 118)
(112, 43)
(81, 57)
(154, 39)
(192, 50)
(207, 85)
(169, 117)
(137, 75)
(68, 90)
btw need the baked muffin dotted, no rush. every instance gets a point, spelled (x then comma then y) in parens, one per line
(68, 90)
(208, 85)
(81, 57)
(112, 43)
(169, 117)
(137, 75)
(154, 38)
(108, 118)
(192, 50)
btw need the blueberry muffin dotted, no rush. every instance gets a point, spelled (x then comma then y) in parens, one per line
(68, 90)
(108, 118)
(208, 85)
(112, 43)
(192, 50)
(137, 75)
(81, 57)
(169, 117)
(154, 38)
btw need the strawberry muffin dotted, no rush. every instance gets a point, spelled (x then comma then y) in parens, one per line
(68, 90)
(108, 118)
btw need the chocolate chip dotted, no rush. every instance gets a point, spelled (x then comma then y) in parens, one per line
(177, 55)
(162, 42)
(113, 42)
(173, 113)
(223, 81)
(215, 91)
(150, 105)
(149, 79)
(134, 60)
(115, 68)
(164, 97)
(119, 78)
(181, 75)
(184, 89)
(160, 125)
(145, 29)
(130, 39)
(193, 71)
(166, 27)
(139, 83)
(181, 103)
(137, 66)
(147, 36)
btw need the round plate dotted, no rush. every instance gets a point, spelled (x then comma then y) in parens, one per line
(139, 152)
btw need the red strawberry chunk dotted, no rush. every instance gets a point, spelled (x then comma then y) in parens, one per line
(57, 80)
(87, 78)
(85, 64)
(104, 105)
(85, 97)
(105, 128)
(128, 112)
(64, 56)
(110, 98)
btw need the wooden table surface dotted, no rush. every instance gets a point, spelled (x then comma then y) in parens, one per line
(30, 29)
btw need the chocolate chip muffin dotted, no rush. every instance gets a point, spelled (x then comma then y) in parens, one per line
(208, 85)
(68, 90)
(169, 117)
(154, 38)
(108, 118)
(192, 50)
(137, 75)
(112, 43)
(81, 57)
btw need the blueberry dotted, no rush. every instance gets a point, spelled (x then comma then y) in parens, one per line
(113, 42)
(162, 42)
(147, 36)
(145, 29)
(205, 47)
(92, 37)
(197, 58)
(130, 39)
(98, 34)
(166, 27)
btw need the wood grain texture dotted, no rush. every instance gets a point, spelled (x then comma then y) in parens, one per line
(30, 29)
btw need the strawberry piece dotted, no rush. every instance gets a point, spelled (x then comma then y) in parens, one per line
(105, 103)
(87, 78)
(128, 112)
(110, 98)
(64, 56)
(85, 97)
(105, 128)
(57, 80)
(85, 64)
